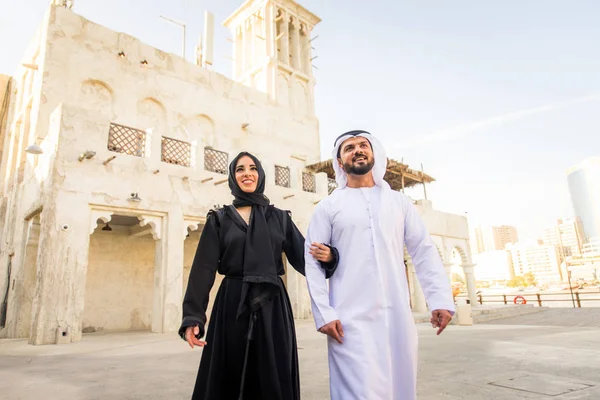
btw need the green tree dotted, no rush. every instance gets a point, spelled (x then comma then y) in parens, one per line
(530, 279)
(458, 278)
(517, 281)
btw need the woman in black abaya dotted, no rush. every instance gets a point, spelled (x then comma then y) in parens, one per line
(250, 349)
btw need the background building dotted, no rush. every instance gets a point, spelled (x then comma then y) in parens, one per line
(543, 261)
(494, 266)
(567, 235)
(584, 188)
(504, 235)
(592, 248)
(492, 238)
(586, 266)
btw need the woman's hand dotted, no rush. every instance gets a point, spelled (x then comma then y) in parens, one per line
(321, 252)
(190, 337)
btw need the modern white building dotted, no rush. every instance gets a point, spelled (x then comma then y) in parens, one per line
(584, 186)
(494, 266)
(543, 261)
(587, 265)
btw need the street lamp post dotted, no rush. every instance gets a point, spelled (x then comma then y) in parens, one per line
(570, 287)
(181, 24)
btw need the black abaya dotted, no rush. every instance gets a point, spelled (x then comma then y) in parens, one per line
(272, 363)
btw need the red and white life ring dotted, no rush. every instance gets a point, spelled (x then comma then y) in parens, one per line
(519, 300)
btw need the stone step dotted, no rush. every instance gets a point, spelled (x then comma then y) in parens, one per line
(484, 314)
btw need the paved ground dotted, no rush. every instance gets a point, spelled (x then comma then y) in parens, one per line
(554, 354)
(568, 317)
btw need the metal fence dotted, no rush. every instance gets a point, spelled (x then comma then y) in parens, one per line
(574, 299)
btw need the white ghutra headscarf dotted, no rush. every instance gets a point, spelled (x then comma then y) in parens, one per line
(379, 156)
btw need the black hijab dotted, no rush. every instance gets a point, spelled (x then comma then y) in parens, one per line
(260, 278)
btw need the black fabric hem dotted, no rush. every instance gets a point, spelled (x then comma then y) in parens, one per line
(272, 371)
(330, 267)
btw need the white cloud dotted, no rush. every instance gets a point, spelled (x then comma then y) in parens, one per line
(465, 129)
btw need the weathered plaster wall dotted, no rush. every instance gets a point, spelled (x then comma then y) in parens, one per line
(5, 94)
(189, 251)
(190, 246)
(173, 97)
(177, 99)
(24, 203)
(24, 287)
(21, 191)
(448, 231)
(5, 100)
(119, 282)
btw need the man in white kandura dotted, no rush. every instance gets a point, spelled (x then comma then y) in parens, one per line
(365, 311)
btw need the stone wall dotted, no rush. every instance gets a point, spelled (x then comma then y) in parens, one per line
(189, 251)
(89, 78)
(119, 281)
(449, 231)
(150, 89)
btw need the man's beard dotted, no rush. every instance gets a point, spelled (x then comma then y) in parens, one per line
(350, 168)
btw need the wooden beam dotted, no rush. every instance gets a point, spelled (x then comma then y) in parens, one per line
(402, 183)
(137, 231)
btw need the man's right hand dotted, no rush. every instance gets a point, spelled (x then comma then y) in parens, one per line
(190, 336)
(333, 330)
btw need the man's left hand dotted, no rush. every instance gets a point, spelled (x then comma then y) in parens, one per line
(440, 319)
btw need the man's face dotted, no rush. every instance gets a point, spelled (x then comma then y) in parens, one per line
(356, 156)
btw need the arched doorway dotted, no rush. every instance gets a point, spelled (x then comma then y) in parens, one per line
(458, 279)
(458, 259)
(119, 288)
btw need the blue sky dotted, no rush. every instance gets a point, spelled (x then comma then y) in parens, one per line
(495, 98)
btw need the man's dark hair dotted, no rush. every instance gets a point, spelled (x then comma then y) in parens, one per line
(350, 133)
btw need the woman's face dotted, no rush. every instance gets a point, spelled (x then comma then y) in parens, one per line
(246, 174)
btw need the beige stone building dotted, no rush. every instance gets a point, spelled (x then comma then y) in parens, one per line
(114, 151)
(493, 238)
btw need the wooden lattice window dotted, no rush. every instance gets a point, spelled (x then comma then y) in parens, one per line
(282, 176)
(309, 183)
(127, 140)
(215, 160)
(331, 185)
(176, 152)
